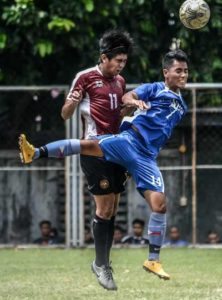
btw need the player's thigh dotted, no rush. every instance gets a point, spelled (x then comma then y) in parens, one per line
(147, 175)
(100, 175)
(116, 204)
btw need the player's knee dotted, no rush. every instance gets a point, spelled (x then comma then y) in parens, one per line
(114, 211)
(159, 206)
(162, 209)
(105, 213)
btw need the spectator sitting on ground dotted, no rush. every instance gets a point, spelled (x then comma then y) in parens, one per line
(174, 238)
(55, 236)
(118, 235)
(47, 236)
(137, 237)
(213, 237)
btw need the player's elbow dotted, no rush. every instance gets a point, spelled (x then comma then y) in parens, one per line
(65, 114)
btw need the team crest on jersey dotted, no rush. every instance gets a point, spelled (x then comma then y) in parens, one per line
(176, 107)
(98, 83)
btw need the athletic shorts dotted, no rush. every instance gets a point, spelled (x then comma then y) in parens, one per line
(129, 150)
(103, 177)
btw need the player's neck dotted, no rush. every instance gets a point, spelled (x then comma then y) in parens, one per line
(175, 90)
(104, 72)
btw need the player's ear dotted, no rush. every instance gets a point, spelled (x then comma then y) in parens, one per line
(103, 58)
(165, 72)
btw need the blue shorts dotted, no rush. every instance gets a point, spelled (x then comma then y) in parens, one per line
(128, 150)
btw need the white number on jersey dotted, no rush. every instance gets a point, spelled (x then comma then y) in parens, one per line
(156, 181)
(113, 101)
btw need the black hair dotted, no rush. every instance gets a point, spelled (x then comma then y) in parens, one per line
(45, 222)
(120, 228)
(114, 42)
(169, 58)
(212, 231)
(138, 221)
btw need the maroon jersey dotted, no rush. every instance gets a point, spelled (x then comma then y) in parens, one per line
(101, 102)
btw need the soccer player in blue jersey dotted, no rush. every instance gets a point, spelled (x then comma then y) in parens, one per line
(160, 107)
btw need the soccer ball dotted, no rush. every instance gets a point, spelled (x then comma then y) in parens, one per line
(194, 14)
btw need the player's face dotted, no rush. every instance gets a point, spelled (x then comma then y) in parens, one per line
(137, 229)
(45, 229)
(176, 75)
(112, 67)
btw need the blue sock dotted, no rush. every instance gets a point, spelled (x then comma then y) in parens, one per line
(156, 234)
(59, 149)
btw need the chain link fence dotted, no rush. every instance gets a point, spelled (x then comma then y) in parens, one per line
(36, 192)
(192, 175)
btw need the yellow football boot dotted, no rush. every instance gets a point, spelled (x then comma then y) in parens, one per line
(156, 268)
(27, 150)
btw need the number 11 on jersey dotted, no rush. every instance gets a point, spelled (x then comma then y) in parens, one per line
(113, 101)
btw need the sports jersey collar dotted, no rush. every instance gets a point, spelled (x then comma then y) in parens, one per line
(99, 71)
(169, 90)
(177, 94)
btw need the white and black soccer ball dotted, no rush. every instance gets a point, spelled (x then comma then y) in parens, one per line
(194, 14)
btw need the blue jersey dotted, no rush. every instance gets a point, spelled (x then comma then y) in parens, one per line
(155, 125)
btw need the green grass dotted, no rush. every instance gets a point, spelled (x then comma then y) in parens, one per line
(65, 274)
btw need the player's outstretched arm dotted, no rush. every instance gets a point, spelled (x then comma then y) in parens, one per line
(130, 99)
(58, 149)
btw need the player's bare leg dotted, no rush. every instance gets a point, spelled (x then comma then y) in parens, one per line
(156, 233)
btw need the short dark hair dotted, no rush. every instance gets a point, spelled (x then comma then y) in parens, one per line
(114, 42)
(138, 221)
(120, 228)
(212, 231)
(169, 58)
(43, 222)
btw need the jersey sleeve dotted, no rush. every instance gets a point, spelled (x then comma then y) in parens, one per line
(144, 92)
(78, 84)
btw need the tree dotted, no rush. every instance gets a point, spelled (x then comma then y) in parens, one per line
(46, 42)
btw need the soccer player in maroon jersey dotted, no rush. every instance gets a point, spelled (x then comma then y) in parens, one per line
(98, 92)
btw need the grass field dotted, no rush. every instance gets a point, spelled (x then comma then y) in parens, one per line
(65, 274)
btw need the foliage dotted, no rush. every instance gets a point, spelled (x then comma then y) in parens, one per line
(47, 42)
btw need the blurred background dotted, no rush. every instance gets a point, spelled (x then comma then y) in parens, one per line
(42, 46)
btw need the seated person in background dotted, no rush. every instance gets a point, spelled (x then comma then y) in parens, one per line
(174, 238)
(137, 237)
(213, 237)
(55, 236)
(48, 234)
(88, 236)
(118, 235)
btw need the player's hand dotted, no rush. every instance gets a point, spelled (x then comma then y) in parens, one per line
(75, 96)
(141, 104)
